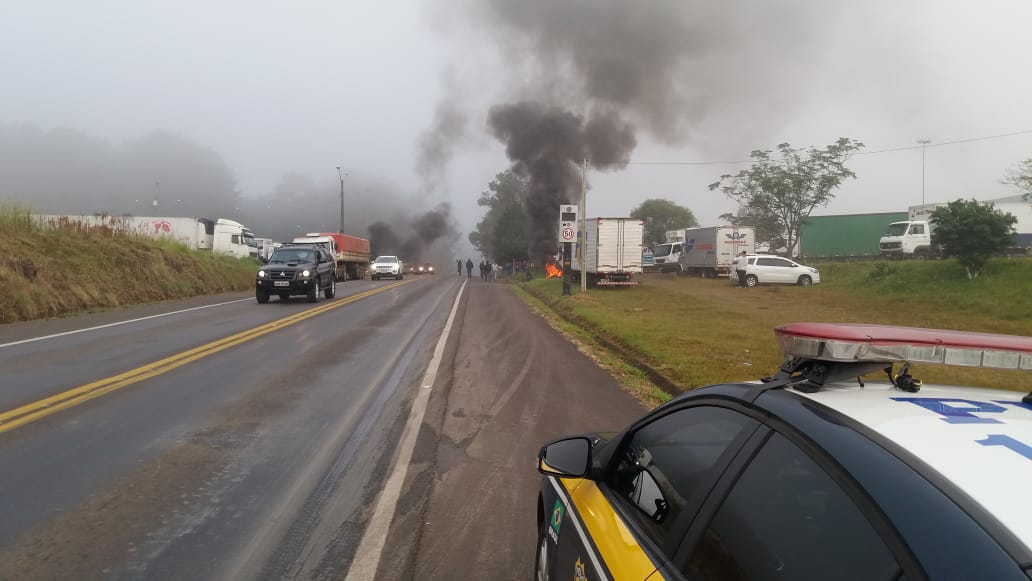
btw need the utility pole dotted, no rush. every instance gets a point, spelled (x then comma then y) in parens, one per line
(924, 145)
(341, 176)
(582, 238)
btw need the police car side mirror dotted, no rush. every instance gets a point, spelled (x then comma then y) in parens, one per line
(566, 457)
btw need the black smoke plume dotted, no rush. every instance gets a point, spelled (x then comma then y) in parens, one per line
(419, 235)
(548, 145)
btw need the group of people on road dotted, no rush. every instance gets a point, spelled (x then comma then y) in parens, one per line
(488, 271)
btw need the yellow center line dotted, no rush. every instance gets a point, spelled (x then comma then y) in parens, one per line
(31, 412)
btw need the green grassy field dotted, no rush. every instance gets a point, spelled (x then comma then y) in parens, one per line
(51, 272)
(699, 331)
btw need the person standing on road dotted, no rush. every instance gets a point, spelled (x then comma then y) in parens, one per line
(458, 263)
(469, 268)
(740, 263)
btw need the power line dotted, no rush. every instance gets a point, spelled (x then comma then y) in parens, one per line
(872, 152)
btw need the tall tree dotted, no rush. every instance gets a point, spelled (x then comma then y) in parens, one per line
(972, 232)
(1020, 176)
(504, 226)
(662, 215)
(789, 184)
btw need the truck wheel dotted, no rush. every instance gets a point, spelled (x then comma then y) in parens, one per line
(751, 280)
(331, 290)
(805, 280)
(262, 296)
(313, 291)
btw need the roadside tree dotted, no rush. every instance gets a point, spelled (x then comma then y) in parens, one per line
(502, 233)
(1020, 176)
(972, 232)
(662, 215)
(787, 185)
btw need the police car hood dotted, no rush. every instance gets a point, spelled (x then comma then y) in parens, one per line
(979, 439)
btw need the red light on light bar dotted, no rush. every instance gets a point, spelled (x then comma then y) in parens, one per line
(876, 343)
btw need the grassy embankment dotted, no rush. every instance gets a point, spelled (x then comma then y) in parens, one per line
(52, 272)
(697, 332)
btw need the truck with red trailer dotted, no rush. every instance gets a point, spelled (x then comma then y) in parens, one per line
(350, 253)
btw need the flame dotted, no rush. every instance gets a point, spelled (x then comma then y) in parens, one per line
(553, 271)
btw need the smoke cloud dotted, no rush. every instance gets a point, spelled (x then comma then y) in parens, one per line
(548, 145)
(415, 243)
(587, 75)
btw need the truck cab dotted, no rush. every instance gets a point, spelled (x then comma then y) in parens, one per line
(233, 238)
(666, 257)
(908, 238)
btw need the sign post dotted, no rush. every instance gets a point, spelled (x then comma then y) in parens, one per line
(567, 235)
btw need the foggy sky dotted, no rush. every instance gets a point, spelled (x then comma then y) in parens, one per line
(261, 90)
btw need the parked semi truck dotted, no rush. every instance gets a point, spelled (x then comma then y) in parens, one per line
(611, 254)
(220, 236)
(845, 236)
(350, 253)
(708, 252)
(913, 236)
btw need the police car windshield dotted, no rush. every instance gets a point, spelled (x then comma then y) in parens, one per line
(662, 250)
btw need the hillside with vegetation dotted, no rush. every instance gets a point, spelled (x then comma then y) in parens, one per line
(47, 272)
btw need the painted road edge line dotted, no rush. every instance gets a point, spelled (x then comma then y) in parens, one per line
(36, 410)
(117, 323)
(370, 549)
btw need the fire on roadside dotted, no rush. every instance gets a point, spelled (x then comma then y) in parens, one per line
(553, 271)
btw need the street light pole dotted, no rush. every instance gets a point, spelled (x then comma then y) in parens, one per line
(341, 176)
(924, 145)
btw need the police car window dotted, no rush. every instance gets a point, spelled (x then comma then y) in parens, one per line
(665, 461)
(787, 519)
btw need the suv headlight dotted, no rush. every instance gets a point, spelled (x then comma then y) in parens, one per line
(306, 272)
(261, 274)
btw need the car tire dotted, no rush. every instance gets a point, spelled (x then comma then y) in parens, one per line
(331, 290)
(805, 280)
(313, 291)
(399, 277)
(751, 280)
(261, 296)
(541, 560)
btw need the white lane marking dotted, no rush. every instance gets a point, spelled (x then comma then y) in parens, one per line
(56, 335)
(370, 550)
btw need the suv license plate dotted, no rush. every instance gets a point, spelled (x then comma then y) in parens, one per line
(281, 283)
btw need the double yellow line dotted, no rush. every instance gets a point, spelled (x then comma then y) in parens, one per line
(29, 413)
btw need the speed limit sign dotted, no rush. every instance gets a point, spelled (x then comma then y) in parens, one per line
(567, 234)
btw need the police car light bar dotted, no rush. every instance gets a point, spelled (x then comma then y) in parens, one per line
(858, 343)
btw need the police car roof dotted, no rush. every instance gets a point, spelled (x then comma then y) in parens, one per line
(976, 438)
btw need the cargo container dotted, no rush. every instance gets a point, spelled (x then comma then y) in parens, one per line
(612, 252)
(350, 253)
(708, 252)
(845, 236)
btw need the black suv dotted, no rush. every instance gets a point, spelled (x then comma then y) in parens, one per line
(296, 269)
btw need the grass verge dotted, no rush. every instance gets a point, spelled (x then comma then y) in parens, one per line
(47, 272)
(698, 332)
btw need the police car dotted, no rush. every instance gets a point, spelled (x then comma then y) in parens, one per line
(808, 474)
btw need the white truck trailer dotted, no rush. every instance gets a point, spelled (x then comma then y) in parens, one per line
(612, 251)
(219, 236)
(709, 252)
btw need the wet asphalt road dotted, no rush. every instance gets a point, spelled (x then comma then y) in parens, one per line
(263, 459)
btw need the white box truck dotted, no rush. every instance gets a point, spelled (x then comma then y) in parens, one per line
(612, 251)
(709, 252)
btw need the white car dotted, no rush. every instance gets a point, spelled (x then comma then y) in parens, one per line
(387, 266)
(769, 269)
